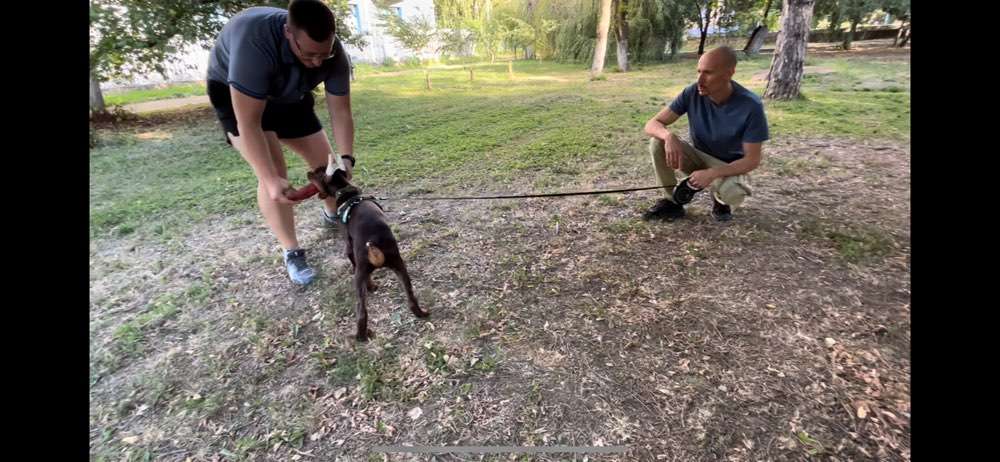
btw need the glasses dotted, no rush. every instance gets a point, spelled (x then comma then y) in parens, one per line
(333, 51)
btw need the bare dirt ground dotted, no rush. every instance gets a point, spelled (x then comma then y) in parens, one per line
(783, 335)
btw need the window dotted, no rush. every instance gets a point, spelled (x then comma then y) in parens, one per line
(399, 11)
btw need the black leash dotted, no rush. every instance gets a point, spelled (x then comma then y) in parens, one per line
(519, 196)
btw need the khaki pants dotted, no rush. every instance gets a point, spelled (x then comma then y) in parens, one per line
(730, 190)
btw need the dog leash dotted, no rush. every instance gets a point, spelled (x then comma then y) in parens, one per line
(520, 196)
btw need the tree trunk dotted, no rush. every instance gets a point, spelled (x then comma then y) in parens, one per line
(785, 77)
(756, 41)
(703, 25)
(903, 36)
(622, 34)
(849, 37)
(529, 51)
(759, 34)
(834, 27)
(96, 97)
(601, 47)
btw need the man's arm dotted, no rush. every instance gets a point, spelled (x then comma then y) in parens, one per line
(249, 111)
(657, 128)
(342, 122)
(750, 161)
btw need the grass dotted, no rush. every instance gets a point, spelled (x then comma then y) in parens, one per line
(123, 97)
(855, 244)
(550, 122)
(130, 334)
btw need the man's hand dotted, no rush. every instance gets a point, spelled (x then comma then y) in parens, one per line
(276, 188)
(674, 151)
(348, 168)
(702, 178)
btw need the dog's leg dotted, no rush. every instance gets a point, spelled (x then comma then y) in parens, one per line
(354, 264)
(350, 253)
(404, 277)
(360, 278)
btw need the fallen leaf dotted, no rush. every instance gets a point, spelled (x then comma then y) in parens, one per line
(415, 413)
(339, 392)
(130, 439)
(830, 342)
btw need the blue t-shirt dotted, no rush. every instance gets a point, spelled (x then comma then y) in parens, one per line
(253, 55)
(721, 130)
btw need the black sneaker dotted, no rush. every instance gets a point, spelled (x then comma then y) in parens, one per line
(683, 192)
(664, 209)
(720, 211)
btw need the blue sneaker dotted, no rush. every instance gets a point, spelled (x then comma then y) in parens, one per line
(298, 270)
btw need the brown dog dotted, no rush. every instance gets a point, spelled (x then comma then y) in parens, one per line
(370, 243)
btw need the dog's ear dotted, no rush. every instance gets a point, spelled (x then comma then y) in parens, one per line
(339, 179)
(318, 178)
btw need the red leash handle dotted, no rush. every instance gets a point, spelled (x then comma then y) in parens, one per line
(303, 193)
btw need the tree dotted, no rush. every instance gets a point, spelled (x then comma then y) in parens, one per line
(703, 11)
(621, 10)
(756, 40)
(600, 48)
(518, 34)
(899, 9)
(785, 77)
(855, 11)
(129, 37)
(675, 25)
(831, 10)
(415, 34)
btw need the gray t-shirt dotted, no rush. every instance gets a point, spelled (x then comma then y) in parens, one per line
(721, 130)
(253, 55)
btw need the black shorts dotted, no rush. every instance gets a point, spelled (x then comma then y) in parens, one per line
(288, 120)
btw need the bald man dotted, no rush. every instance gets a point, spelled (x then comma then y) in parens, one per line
(727, 127)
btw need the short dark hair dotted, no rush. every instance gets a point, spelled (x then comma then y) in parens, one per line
(314, 17)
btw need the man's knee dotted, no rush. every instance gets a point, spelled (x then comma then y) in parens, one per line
(732, 192)
(655, 146)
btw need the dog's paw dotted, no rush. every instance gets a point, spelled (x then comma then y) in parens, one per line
(420, 313)
(365, 336)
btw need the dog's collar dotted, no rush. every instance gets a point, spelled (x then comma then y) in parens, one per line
(344, 210)
(346, 193)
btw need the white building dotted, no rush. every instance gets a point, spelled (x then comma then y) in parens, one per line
(380, 45)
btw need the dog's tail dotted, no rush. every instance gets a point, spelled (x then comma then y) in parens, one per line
(375, 255)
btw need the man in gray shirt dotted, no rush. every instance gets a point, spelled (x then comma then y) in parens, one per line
(261, 73)
(727, 127)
